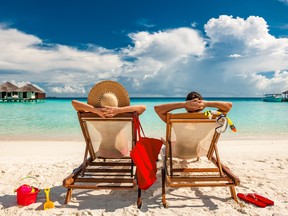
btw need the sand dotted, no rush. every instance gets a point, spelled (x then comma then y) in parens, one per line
(261, 166)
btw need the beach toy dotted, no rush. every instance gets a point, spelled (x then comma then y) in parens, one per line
(48, 204)
(26, 194)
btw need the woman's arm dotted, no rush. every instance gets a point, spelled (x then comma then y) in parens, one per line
(80, 106)
(112, 111)
(107, 111)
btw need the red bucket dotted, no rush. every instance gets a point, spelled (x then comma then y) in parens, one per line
(26, 195)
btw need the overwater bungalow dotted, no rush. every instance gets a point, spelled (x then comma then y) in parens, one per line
(8, 91)
(11, 93)
(285, 95)
(31, 92)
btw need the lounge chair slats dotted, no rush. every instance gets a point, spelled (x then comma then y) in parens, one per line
(101, 187)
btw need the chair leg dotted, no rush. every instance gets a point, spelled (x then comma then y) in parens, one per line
(139, 200)
(233, 193)
(68, 195)
(163, 188)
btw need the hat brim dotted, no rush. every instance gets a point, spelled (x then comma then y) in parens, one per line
(108, 86)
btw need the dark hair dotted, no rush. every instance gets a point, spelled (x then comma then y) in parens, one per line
(193, 95)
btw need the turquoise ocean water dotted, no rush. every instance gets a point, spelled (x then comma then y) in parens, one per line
(55, 119)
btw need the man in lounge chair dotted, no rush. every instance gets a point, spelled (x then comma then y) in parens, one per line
(189, 137)
(194, 103)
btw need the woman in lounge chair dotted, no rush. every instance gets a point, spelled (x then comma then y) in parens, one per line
(107, 99)
(194, 103)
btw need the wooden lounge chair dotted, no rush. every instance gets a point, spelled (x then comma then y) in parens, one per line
(192, 136)
(107, 164)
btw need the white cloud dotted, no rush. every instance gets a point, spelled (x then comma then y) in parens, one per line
(250, 36)
(284, 1)
(285, 26)
(227, 28)
(145, 22)
(68, 89)
(167, 45)
(259, 50)
(238, 50)
(227, 61)
(16, 39)
(277, 84)
(235, 55)
(194, 24)
(155, 53)
(19, 84)
(26, 54)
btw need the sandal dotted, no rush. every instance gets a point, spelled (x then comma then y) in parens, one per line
(261, 198)
(251, 199)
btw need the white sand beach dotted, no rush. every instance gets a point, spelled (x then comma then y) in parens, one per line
(261, 166)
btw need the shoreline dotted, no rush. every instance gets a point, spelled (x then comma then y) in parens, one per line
(74, 148)
(261, 165)
(76, 138)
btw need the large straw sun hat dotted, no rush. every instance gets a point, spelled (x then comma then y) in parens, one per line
(108, 93)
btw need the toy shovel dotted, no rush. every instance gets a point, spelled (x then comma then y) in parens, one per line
(48, 204)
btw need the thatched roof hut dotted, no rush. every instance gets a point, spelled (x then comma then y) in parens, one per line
(10, 92)
(32, 92)
(29, 88)
(8, 87)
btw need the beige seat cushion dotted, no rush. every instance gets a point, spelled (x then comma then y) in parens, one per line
(192, 140)
(110, 139)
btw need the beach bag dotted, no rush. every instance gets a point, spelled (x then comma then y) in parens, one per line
(144, 155)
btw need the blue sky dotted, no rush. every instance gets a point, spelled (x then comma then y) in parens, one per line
(154, 48)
